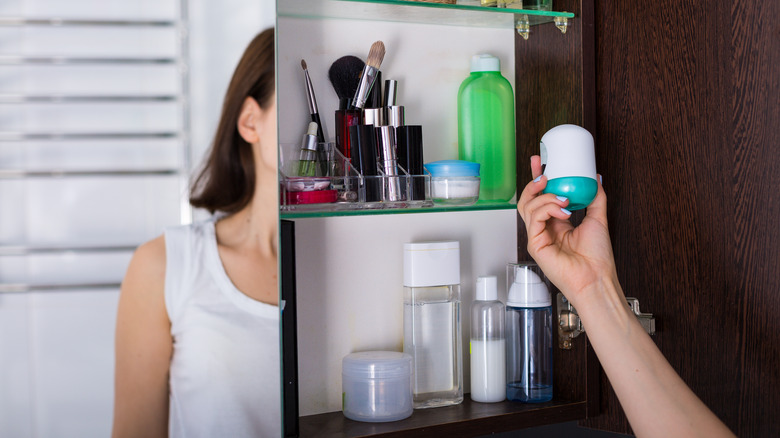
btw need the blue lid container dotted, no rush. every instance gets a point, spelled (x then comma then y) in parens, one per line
(454, 182)
(445, 168)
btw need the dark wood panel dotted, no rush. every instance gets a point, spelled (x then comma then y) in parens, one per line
(756, 177)
(468, 419)
(687, 109)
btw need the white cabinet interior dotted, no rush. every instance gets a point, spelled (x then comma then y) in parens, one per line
(349, 269)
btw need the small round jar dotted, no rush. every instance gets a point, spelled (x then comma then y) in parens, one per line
(377, 386)
(454, 182)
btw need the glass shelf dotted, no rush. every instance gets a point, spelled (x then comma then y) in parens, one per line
(479, 206)
(463, 13)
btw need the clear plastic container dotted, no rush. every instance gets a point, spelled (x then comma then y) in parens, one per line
(432, 330)
(377, 386)
(454, 182)
(487, 345)
(529, 348)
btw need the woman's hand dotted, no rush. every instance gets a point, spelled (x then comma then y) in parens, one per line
(574, 259)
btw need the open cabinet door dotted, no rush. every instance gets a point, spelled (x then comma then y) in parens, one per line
(682, 101)
(688, 113)
(555, 84)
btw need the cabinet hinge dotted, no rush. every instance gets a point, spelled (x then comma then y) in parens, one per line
(570, 325)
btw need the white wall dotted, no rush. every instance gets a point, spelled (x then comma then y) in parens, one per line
(57, 347)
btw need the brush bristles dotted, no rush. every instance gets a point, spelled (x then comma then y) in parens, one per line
(376, 54)
(344, 74)
(303, 64)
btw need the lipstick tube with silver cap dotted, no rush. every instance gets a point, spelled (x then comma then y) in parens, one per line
(387, 162)
(394, 114)
(373, 116)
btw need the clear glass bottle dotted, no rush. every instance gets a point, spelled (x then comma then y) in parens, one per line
(432, 330)
(529, 369)
(487, 344)
(486, 127)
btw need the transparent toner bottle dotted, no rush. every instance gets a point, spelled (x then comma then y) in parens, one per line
(529, 370)
(432, 328)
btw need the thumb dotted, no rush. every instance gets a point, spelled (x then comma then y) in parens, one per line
(598, 208)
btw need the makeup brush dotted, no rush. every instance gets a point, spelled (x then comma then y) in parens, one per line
(344, 75)
(315, 116)
(368, 76)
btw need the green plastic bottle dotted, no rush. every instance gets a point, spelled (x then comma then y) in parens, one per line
(486, 127)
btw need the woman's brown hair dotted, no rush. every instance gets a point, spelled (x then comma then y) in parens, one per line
(227, 180)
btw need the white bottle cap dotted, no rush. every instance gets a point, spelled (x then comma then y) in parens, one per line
(487, 289)
(528, 290)
(429, 264)
(485, 62)
(567, 150)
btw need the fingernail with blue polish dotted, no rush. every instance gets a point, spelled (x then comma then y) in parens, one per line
(538, 178)
(601, 180)
(561, 198)
(565, 211)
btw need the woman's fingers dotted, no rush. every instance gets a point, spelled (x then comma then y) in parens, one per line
(530, 191)
(539, 210)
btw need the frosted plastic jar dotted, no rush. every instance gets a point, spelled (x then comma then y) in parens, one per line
(454, 182)
(376, 386)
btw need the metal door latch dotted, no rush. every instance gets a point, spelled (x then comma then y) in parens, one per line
(570, 325)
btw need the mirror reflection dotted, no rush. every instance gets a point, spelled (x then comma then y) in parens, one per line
(108, 114)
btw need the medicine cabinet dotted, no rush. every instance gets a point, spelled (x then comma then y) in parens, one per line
(341, 276)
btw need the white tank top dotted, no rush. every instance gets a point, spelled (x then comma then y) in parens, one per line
(224, 376)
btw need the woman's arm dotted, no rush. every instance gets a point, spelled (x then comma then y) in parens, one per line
(143, 347)
(579, 261)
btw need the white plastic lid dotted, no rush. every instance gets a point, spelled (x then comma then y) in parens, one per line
(377, 365)
(485, 62)
(567, 150)
(528, 290)
(429, 264)
(487, 289)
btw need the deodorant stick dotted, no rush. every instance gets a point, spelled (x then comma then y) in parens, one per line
(568, 153)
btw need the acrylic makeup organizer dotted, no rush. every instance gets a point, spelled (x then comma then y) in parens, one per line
(353, 190)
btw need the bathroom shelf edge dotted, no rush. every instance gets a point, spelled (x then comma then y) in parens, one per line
(468, 419)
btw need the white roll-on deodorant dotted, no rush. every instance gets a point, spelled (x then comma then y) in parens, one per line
(569, 157)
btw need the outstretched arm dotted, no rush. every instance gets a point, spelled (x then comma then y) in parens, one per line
(579, 261)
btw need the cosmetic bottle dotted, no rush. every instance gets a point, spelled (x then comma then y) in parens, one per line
(345, 118)
(486, 127)
(529, 370)
(487, 344)
(432, 332)
(569, 158)
(308, 160)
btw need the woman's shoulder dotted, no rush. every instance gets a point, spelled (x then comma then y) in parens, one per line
(147, 266)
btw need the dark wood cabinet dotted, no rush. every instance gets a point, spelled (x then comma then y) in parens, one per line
(687, 110)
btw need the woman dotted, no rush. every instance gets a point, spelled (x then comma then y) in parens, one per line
(579, 261)
(197, 338)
